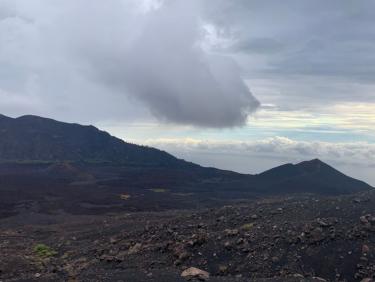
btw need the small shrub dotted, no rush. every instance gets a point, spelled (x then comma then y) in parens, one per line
(159, 190)
(247, 226)
(44, 251)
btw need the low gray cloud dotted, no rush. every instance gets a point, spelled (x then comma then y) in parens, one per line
(167, 69)
(150, 55)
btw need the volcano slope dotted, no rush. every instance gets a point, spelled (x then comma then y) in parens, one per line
(77, 204)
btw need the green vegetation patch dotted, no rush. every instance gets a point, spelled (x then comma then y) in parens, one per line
(159, 190)
(43, 251)
(183, 194)
(247, 226)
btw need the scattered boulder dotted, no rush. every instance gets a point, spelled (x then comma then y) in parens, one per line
(197, 273)
(135, 249)
(322, 222)
(363, 219)
(365, 249)
(319, 279)
(317, 235)
(228, 245)
(231, 232)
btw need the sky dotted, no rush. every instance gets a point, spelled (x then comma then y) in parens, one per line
(237, 84)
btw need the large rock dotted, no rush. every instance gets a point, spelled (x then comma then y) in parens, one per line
(135, 249)
(194, 272)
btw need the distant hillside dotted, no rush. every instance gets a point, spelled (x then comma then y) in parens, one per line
(33, 138)
(310, 176)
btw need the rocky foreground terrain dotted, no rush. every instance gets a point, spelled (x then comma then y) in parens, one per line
(300, 238)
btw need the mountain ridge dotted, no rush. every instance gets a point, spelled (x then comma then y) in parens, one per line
(101, 158)
(34, 138)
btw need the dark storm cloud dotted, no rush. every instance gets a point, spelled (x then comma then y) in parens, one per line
(130, 58)
(154, 56)
(167, 69)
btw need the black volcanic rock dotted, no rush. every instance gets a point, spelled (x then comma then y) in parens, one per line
(33, 138)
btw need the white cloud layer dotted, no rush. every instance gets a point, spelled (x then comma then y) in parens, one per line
(356, 159)
(278, 148)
